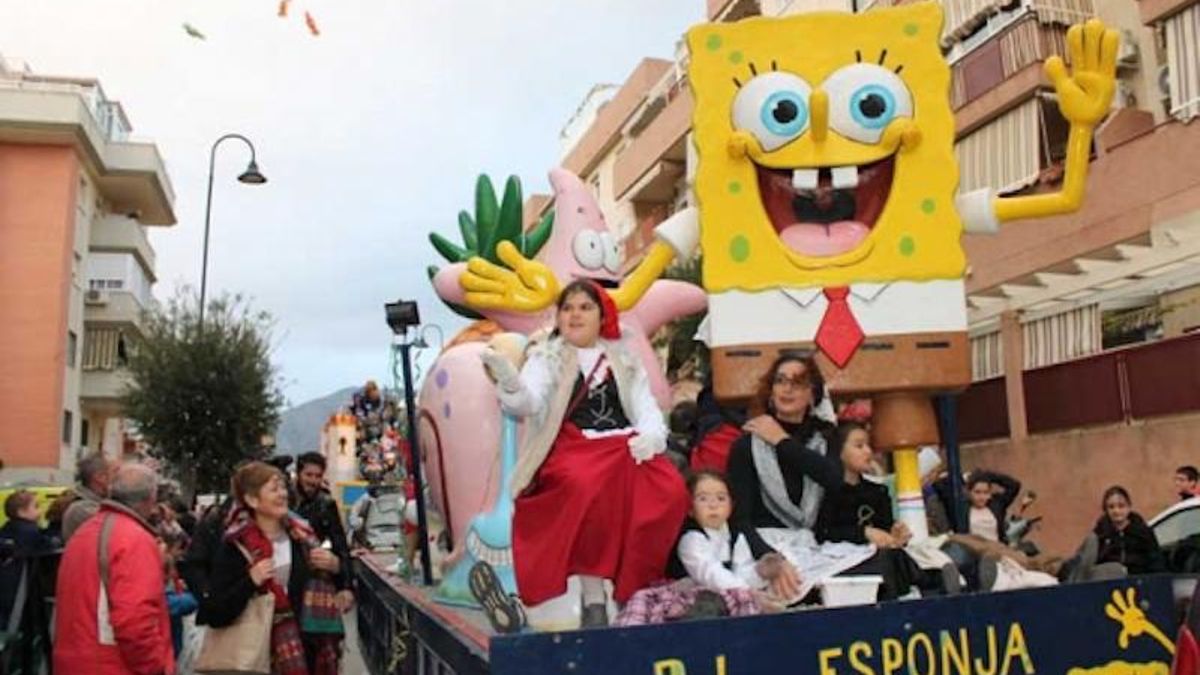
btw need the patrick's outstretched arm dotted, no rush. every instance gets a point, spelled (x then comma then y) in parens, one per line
(445, 283)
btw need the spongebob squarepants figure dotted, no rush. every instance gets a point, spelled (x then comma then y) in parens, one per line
(829, 220)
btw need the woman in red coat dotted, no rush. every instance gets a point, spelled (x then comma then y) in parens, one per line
(596, 497)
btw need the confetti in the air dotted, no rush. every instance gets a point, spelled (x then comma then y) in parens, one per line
(193, 31)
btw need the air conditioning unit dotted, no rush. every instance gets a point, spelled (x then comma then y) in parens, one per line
(95, 296)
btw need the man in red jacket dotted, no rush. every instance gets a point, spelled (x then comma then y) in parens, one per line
(126, 630)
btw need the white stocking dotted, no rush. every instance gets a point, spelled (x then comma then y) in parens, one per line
(593, 590)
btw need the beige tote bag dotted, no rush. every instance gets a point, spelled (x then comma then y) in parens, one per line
(244, 647)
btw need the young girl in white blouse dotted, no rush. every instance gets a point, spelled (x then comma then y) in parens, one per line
(719, 572)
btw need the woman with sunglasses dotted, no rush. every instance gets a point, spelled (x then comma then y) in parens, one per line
(779, 471)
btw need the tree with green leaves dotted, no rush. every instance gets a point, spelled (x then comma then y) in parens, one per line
(494, 221)
(203, 398)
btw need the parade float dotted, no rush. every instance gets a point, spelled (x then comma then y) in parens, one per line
(827, 214)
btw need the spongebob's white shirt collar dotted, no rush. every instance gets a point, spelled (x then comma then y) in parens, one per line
(865, 291)
(794, 314)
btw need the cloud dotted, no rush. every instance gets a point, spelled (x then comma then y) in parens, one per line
(371, 136)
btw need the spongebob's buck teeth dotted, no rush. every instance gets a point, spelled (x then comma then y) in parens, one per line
(845, 177)
(805, 179)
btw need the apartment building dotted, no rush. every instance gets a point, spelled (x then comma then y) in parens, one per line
(77, 195)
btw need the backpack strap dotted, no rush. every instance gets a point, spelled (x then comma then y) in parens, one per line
(102, 549)
(104, 627)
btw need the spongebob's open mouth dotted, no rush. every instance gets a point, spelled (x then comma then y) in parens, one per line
(826, 211)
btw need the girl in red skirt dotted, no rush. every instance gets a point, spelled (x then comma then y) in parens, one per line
(596, 497)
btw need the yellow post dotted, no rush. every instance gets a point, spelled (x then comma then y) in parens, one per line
(911, 504)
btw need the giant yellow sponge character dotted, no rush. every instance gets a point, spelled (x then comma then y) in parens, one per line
(829, 219)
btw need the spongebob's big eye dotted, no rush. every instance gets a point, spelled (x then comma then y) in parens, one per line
(864, 98)
(588, 249)
(773, 107)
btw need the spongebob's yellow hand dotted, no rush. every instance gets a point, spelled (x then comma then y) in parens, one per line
(1124, 610)
(1085, 93)
(524, 286)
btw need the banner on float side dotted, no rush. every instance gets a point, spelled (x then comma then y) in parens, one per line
(1072, 630)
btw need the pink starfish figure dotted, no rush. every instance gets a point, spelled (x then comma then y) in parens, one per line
(582, 247)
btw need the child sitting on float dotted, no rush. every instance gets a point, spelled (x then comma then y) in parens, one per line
(860, 511)
(719, 572)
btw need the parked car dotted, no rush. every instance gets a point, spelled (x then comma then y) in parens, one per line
(1177, 529)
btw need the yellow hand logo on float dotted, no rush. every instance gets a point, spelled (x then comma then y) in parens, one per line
(825, 147)
(1124, 610)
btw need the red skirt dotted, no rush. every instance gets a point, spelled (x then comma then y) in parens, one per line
(591, 510)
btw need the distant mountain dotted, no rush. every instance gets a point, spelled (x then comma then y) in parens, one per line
(300, 426)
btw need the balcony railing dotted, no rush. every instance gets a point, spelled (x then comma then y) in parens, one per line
(125, 234)
(1118, 386)
(108, 114)
(1025, 40)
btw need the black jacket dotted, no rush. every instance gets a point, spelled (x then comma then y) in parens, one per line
(196, 565)
(19, 540)
(847, 510)
(1135, 547)
(231, 587)
(322, 513)
(795, 462)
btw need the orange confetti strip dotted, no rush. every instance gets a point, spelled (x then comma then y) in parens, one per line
(283, 7)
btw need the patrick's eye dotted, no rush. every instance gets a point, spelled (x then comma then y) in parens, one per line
(774, 108)
(612, 253)
(588, 249)
(864, 98)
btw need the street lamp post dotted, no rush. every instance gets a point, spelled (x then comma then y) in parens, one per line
(401, 316)
(251, 176)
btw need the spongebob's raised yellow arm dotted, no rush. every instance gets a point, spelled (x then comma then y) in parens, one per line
(1084, 97)
(675, 238)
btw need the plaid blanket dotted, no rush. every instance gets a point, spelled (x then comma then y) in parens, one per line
(673, 600)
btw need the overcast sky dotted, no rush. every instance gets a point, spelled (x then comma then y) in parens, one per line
(371, 136)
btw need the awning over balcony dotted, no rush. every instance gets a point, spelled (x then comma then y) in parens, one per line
(1004, 154)
(987, 356)
(103, 348)
(1062, 337)
(964, 16)
(1183, 62)
(1064, 12)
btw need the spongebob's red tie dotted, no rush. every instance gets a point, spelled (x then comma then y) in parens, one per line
(839, 334)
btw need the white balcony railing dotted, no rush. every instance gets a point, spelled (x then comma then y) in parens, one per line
(108, 114)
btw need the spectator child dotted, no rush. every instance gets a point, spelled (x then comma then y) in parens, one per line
(1124, 537)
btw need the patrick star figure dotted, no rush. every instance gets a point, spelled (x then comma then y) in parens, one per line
(581, 247)
(462, 457)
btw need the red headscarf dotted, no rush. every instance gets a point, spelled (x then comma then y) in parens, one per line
(610, 329)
